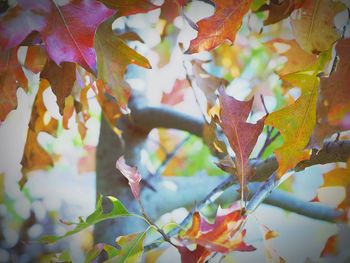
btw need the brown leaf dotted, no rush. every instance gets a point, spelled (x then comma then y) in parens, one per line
(221, 26)
(279, 10)
(61, 78)
(241, 135)
(313, 24)
(11, 77)
(35, 58)
(34, 155)
(333, 102)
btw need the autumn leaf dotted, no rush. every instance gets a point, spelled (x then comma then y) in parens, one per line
(279, 10)
(222, 26)
(199, 255)
(11, 77)
(331, 247)
(87, 163)
(132, 174)
(270, 252)
(130, 7)
(99, 215)
(61, 78)
(206, 82)
(223, 236)
(333, 103)
(35, 58)
(241, 135)
(298, 59)
(34, 156)
(313, 24)
(113, 57)
(66, 30)
(177, 93)
(210, 137)
(297, 121)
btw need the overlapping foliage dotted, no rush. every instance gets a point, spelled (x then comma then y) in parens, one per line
(74, 48)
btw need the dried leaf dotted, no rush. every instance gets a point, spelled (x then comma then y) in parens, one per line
(313, 24)
(35, 58)
(11, 77)
(222, 26)
(279, 10)
(61, 78)
(34, 156)
(270, 252)
(333, 103)
(241, 135)
(132, 175)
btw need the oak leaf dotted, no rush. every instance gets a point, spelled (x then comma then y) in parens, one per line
(35, 58)
(35, 156)
(222, 26)
(279, 10)
(313, 24)
(298, 59)
(223, 236)
(130, 7)
(61, 78)
(241, 135)
(333, 103)
(11, 77)
(297, 121)
(66, 30)
(113, 57)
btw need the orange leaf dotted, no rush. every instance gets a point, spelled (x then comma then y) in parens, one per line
(224, 236)
(221, 26)
(11, 77)
(331, 247)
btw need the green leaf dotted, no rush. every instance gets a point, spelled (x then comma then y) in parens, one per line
(118, 210)
(131, 248)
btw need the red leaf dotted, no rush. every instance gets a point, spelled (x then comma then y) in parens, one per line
(241, 135)
(224, 236)
(132, 175)
(67, 31)
(198, 255)
(331, 247)
(129, 7)
(221, 26)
